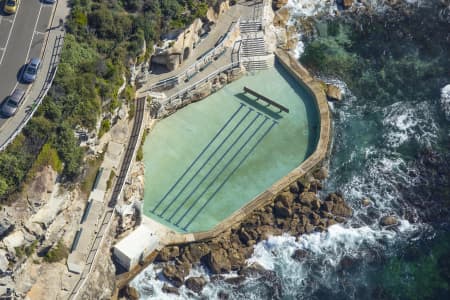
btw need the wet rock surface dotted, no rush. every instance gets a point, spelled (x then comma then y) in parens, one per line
(296, 210)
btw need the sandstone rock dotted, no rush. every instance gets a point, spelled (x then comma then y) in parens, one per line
(168, 253)
(294, 188)
(175, 274)
(279, 3)
(268, 231)
(388, 221)
(307, 198)
(315, 204)
(342, 209)
(328, 206)
(365, 202)
(170, 289)
(237, 259)
(347, 4)
(286, 198)
(331, 222)
(281, 211)
(195, 284)
(309, 228)
(339, 219)
(218, 262)
(235, 280)
(315, 219)
(4, 263)
(244, 236)
(252, 270)
(267, 218)
(131, 293)
(321, 174)
(194, 252)
(299, 254)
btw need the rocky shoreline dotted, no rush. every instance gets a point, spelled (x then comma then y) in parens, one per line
(295, 211)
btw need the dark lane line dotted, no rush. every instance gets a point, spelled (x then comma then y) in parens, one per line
(207, 160)
(216, 164)
(198, 156)
(228, 177)
(227, 164)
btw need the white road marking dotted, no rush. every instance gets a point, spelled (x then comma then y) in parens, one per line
(34, 31)
(39, 32)
(26, 59)
(10, 31)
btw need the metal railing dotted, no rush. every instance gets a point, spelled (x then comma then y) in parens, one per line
(206, 79)
(218, 50)
(53, 67)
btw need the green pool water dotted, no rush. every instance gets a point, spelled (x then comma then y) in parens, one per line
(212, 157)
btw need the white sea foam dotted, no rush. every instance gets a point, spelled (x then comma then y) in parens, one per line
(445, 100)
(406, 121)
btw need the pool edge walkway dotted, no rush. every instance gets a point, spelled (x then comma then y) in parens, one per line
(170, 237)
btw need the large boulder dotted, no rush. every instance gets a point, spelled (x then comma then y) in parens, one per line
(176, 274)
(286, 198)
(321, 174)
(388, 221)
(342, 209)
(307, 198)
(281, 211)
(299, 254)
(194, 252)
(218, 261)
(267, 231)
(4, 263)
(170, 289)
(195, 284)
(168, 253)
(237, 259)
(131, 293)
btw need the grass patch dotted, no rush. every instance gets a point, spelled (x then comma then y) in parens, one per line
(104, 127)
(57, 253)
(26, 250)
(93, 165)
(109, 183)
(140, 152)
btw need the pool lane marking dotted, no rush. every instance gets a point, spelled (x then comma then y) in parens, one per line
(219, 161)
(207, 160)
(198, 156)
(229, 175)
(9, 33)
(252, 135)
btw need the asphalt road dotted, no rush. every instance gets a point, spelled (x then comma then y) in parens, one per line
(21, 38)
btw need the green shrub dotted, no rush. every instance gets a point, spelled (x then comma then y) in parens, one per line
(104, 127)
(57, 253)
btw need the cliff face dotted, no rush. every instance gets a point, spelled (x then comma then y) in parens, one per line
(173, 51)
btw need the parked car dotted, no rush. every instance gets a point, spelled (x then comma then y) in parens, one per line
(49, 1)
(10, 106)
(10, 6)
(30, 72)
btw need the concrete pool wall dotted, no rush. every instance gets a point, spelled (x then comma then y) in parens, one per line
(316, 92)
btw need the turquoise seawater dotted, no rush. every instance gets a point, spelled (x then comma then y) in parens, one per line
(212, 157)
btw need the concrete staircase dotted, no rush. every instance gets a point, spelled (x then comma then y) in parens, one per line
(247, 26)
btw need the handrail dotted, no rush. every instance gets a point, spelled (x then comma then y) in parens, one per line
(210, 54)
(190, 87)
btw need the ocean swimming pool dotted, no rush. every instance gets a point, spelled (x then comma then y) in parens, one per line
(212, 157)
